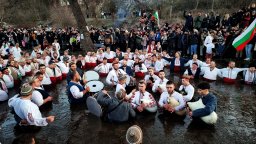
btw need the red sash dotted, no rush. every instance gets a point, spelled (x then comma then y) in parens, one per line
(93, 65)
(29, 73)
(84, 67)
(208, 80)
(110, 60)
(64, 75)
(59, 79)
(228, 80)
(53, 80)
(103, 74)
(176, 69)
(139, 74)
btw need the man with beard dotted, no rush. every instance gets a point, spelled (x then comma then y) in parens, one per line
(76, 92)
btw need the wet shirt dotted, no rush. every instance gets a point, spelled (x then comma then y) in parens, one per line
(231, 73)
(189, 92)
(177, 96)
(160, 84)
(27, 110)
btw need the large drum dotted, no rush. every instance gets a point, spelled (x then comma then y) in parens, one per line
(91, 75)
(95, 86)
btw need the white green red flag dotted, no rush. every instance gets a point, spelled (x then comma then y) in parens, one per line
(157, 17)
(241, 41)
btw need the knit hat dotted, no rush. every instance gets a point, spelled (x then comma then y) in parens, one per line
(26, 89)
(134, 135)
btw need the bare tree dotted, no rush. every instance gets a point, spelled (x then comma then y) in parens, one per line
(212, 4)
(86, 43)
(197, 3)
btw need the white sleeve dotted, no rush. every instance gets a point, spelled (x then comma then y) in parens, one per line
(34, 120)
(203, 70)
(154, 88)
(146, 78)
(37, 98)
(187, 64)
(162, 99)
(108, 79)
(189, 95)
(181, 87)
(12, 100)
(133, 101)
(182, 103)
(97, 68)
(76, 92)
(144, 68)
(186, 72)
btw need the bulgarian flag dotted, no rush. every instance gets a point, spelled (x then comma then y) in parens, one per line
(240, 42)
(157, 17)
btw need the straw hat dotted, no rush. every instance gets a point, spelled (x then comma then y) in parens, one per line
(134, 135)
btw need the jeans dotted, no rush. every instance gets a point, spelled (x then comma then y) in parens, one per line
(220, 49)
(193, 49)
(248, 50)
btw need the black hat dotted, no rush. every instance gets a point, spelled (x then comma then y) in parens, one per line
(251, 65)
(203, 86)
(3, 69)
(51, 62)
(65, 58)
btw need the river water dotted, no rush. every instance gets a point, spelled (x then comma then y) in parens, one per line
(236, 111)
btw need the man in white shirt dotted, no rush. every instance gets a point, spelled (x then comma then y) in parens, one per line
(229, 74)
(129, 61)
(109, 55)
(167, 98)
(160, 84)
(122, 85)
(25, 109)
(112, 77)
(17, 51)
(158, 65)
(7, 77)
(209, 49)
(151, 77)
(210, 73)
(76, 92)
(143, 100)
(194, 60)
(3, 89)
(39, 96)
(103, 68)
(250, 75)
(186, 89)
(46, 81)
